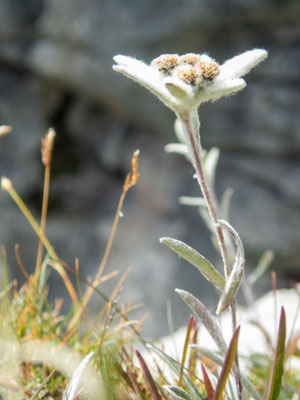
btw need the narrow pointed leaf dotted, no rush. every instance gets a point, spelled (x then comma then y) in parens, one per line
(225, 203)
(227, 365)
(177, 393)
(175, 366)
(208, 353)
(180, 132)
(210, 164)
(148, 378)
(124, 374)
(235, 278)
(179, 148)
(219, 360)
(205, 317)
(278, 362)
(192, 201)
(209, 389)
(196, 259)
(193, 355)
(185, 348)
(136, 386)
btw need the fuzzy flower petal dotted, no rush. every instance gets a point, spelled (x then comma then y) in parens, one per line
(221, 88)
(145, 75)
(240, 65)
(182, 86)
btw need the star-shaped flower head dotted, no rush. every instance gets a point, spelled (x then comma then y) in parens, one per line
(182, 83)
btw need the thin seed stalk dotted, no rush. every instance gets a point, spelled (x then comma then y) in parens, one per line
(43, 220)
(196, 153)
(46, 153)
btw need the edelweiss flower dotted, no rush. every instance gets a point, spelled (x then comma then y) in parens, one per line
(182, 83)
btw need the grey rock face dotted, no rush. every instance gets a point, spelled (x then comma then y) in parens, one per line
(56, 58)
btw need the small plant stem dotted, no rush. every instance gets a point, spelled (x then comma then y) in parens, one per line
(46, 153)
(196, 149)
(43, 220)
(196, 153)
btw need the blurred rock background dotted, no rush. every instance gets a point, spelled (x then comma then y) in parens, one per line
(55, 70)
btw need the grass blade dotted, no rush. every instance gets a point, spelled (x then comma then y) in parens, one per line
(278, 362)
(43, 384)
(124, 374)
(177, 393)
(193, 355)
(185, 348)
(248, 385)
(7, 185)
(209, 389)
(148, 378)
(136, 386)
(228, 362)
(207, 353)
(175, 366)
(196, 259)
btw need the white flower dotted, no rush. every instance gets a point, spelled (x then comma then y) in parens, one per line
(182, 83)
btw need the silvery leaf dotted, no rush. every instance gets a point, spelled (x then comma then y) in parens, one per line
(235, 278)
(196, 259)
(205, 317)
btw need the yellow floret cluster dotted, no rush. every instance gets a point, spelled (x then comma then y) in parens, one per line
(193, 69)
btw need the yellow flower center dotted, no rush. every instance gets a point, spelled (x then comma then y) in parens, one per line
(210, 69)
(190, 58)
(166, 62)
(188, 74)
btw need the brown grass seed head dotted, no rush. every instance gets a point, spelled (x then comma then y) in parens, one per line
(6, 184)
(47, 146)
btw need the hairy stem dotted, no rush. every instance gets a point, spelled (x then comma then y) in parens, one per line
(196, 149)
(196, 153)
